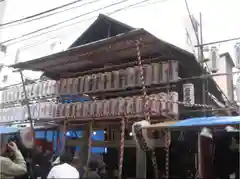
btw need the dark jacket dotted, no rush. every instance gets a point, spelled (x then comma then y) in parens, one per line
(91, 175)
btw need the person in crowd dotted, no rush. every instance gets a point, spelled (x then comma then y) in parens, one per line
(64, 169)
(91, 172)
(11, 168)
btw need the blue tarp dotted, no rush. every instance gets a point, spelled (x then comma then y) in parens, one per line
(207, 121)
(49, 136)
(8, 130)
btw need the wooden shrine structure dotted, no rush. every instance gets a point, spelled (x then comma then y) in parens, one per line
(119, 68)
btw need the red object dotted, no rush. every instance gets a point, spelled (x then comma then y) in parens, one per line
(45, 144)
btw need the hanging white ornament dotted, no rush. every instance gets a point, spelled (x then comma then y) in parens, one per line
(188, 94)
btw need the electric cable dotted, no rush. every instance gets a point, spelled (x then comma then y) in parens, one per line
(217, 42)
(47, 15)
(43, 41)
(78, 22)
(41, 13)
(62, 22)
(46, 40)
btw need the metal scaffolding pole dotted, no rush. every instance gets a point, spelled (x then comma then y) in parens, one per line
(26, 102)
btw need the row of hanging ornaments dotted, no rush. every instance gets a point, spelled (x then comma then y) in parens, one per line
(155, 73)
(100, 108)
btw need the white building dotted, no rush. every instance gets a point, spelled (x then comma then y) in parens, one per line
(225, 82)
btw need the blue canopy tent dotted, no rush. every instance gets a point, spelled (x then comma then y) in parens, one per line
(199, 122)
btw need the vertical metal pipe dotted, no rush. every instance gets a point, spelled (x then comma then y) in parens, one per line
(28, 108)
(199, 157)
(200, 174)
(202, 62)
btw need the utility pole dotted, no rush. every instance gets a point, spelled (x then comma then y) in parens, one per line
(201, 60)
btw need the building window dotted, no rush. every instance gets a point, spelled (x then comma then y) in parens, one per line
(5, 78)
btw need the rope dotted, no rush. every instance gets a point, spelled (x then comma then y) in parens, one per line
(167, 143)
(122, 139)
(145, 100)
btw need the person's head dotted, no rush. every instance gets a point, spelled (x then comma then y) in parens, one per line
(66, 157)
(93, 165)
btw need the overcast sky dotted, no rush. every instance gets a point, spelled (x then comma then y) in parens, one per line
(166, 19)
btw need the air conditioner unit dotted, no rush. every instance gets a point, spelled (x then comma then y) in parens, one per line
(237, 55)
(213, 59)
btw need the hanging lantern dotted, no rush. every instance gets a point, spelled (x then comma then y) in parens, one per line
(237, 55)
(140, 135)
(173, 105)
(188, 94)
(213, 59)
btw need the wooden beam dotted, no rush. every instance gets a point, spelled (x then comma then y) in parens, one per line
(95, 143)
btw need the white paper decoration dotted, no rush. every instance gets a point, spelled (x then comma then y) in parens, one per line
(173, 106)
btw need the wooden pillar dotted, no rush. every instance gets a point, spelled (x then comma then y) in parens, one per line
(205, 157)
(84, 145)
(141, 168)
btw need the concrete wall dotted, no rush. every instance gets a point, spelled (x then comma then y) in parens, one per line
(225, 82)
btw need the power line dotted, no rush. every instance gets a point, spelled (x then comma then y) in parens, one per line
(217, 42)
(87, 19)
(46, 40)
(47, 15)
(53, 25)
(39, 14)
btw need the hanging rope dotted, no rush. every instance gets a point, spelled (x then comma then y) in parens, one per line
(122, 140)
(146, 108)
(167, 142)
(89, 144)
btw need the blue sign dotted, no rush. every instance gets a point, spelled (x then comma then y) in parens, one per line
(97, 135)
